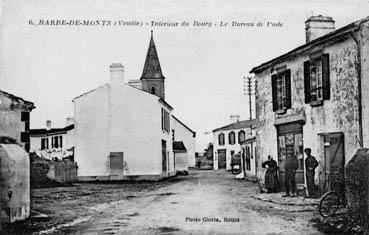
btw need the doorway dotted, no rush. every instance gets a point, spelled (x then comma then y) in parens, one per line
(333, 162)
(222, 154)
(164, 157)
(290, 142)
(116, 165)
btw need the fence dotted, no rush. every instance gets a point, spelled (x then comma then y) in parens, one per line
(65, 171)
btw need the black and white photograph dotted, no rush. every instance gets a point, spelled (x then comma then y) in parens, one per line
(184, 117)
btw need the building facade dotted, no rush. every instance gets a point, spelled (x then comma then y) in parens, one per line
(53, 143)
(15, 118)
(125, 130)
(227, 142)
(312, 97)
(183, 133)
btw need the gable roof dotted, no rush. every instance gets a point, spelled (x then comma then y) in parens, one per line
(28, 104)
(332, 37)
(184, 125)
(152, 69)
(178, 146)
(237, 125)
(43, 131)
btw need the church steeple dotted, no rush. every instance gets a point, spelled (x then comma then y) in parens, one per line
(152, 78)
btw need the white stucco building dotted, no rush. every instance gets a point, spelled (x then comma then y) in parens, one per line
(51, 143)
(125, 130)
(183, 133)
(228, 139)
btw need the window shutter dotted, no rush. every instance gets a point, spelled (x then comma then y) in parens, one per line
(24, 116)
(307, 81)
(274, 92)
(42, 143)
(325, 74)
(288, 89)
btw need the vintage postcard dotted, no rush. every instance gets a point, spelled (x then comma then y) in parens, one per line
(184, 117)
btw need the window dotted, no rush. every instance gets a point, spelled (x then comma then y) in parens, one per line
(231, 138)
(165, 120)
(61, 141)
(25, 116)
(221, 139)
(44, 143)
(56, 142)
(281, 90)
(316, 80)
(316, 84)
(25, 137)
(241, 136)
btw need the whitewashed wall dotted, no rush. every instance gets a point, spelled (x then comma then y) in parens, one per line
(181, 133)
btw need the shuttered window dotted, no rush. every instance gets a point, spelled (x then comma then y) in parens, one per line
(165, 120)
(231, 138)
(316, 79)
(281, 90)
(241, 136)
(221, 139)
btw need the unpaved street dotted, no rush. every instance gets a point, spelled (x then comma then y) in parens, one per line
(194, 204)
(197, 204)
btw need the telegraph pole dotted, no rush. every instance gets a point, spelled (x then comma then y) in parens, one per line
(249, 89)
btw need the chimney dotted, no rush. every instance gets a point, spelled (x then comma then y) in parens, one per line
(116, 73)
(317, 26)
(48, 125)
(69, 121)
(235, 118)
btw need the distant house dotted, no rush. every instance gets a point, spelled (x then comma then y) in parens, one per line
(15, 118)
(315, 96)
(53, 143)
(183, 133)
(228, 139)
(126, 131)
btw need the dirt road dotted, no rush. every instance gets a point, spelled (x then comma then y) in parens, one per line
(206, 202)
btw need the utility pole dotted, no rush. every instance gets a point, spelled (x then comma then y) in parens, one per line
(249, 89)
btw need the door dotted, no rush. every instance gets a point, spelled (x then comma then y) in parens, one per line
(290, 142)
(222, 154)
(164, 157)
(116, 165)
(334, 160)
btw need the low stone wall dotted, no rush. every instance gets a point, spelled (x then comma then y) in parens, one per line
(46, 173)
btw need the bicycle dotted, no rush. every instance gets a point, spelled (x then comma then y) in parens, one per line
(332, 200)
(335, 199)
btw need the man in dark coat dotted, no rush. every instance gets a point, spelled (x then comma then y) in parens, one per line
(271, 177)
(290, 169)
(310, 163)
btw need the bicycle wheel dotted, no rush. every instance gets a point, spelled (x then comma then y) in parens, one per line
(329, 204)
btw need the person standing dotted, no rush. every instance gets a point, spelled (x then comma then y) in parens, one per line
(271, 177)
(290, 169)
(310, 163)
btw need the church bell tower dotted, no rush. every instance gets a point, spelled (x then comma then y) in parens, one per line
(152, 78)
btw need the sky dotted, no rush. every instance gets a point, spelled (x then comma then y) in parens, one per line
(204, 66)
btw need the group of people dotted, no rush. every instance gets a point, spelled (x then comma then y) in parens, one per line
(290, 168)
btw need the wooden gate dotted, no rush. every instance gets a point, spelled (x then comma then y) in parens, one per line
(334, 160)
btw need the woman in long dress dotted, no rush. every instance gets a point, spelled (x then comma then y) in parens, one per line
(271, 175)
